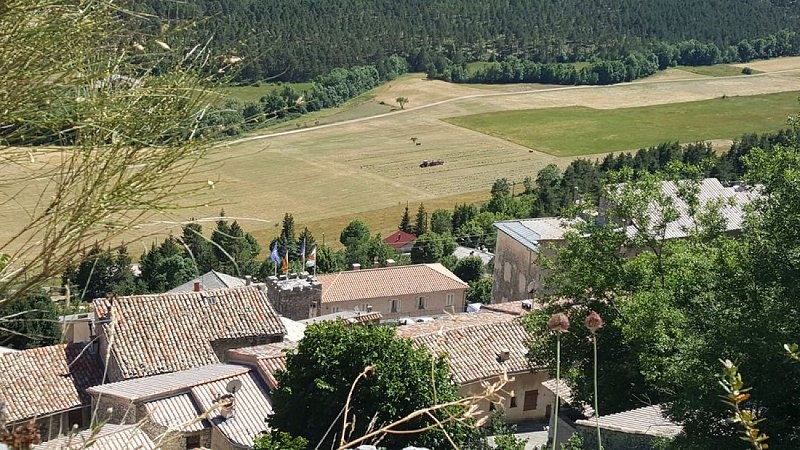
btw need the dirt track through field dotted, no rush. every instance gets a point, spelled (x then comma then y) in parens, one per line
(369, 167)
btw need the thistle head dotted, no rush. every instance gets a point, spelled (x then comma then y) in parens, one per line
(558, 322)
(593, 322)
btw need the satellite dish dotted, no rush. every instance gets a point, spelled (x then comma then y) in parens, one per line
(233, 386)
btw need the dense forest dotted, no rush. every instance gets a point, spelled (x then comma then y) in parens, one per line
(299, 39)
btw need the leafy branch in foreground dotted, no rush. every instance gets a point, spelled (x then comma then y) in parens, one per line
(736, 394)
(121, 120)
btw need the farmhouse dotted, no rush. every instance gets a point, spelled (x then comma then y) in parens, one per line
(401, 241)
(522, 244)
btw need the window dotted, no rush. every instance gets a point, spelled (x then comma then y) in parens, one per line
(395, 306)
(364, 307)
(192, 442)
(531, 399)
(421, 303)
(513, 402)
(336, 309)
(450, 299)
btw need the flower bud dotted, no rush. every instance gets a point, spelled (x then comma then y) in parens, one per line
(558, 322)
(593, 322)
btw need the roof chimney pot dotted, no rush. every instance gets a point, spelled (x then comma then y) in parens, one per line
(356, 266)
(248, 280)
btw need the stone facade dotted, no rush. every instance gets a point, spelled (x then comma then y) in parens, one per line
(296, 296)
(401, 306)
(123, 412)
(617, 440)
(523, 397)
(518, 272)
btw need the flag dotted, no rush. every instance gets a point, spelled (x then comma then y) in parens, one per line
(274, 255)
(312, 258)
(286, 263)
(303, 251)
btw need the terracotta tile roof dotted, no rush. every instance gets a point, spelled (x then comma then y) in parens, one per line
(648, 420)
(47, 380)
(388, 281)
(252, 406)
(268, 358)
(474, 344)
(399, 239)
(155, 334)
(517, 308)
(109, 437)
(164, 385)
(451, 322)
(178, 412)
(349, 317)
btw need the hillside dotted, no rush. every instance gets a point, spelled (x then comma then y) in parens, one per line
(295, 40)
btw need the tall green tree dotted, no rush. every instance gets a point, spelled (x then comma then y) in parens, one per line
(235, 250)
(405, 222)
(101, 272)
(166, 266)
(355, 232)
(29, 322)
(442, 221)
(198, 247)
(421, 221)
(313, 389)
(469, 269)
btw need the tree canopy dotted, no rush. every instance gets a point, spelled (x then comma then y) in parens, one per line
(673, 308)
(403, 378)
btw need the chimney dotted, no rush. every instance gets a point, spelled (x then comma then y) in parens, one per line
(226, 406)
(375, 263)
(197, 286)
(248, 280)
(390, 263)
(356, 266)
(503, 355)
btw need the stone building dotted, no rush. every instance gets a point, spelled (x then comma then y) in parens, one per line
(481, 348)
(394, 292)
(145, 335)
(218, 406)
(295, 296)
(48, 385)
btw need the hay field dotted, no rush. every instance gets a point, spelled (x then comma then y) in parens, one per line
(576, 131)
(367, 166)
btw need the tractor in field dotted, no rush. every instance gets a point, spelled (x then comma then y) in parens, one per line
(431, 163)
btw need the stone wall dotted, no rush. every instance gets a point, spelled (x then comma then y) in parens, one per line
(518, 272)
(292, 296)
(615, 440)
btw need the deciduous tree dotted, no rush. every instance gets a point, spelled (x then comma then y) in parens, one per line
(402, 378)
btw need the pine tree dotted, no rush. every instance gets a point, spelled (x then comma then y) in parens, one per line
(421, 223)
(198, 247)
(405, 222)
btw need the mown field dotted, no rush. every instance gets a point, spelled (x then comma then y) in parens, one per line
(575, 131)
(358, 161)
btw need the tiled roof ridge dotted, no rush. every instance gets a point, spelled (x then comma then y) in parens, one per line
(465, 324)
(101, 389)
(171, 294)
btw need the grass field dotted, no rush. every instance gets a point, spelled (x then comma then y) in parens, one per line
(717, 70)
(358, 161)
(575, 131)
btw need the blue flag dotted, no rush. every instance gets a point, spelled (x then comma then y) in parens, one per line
(274, 255)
